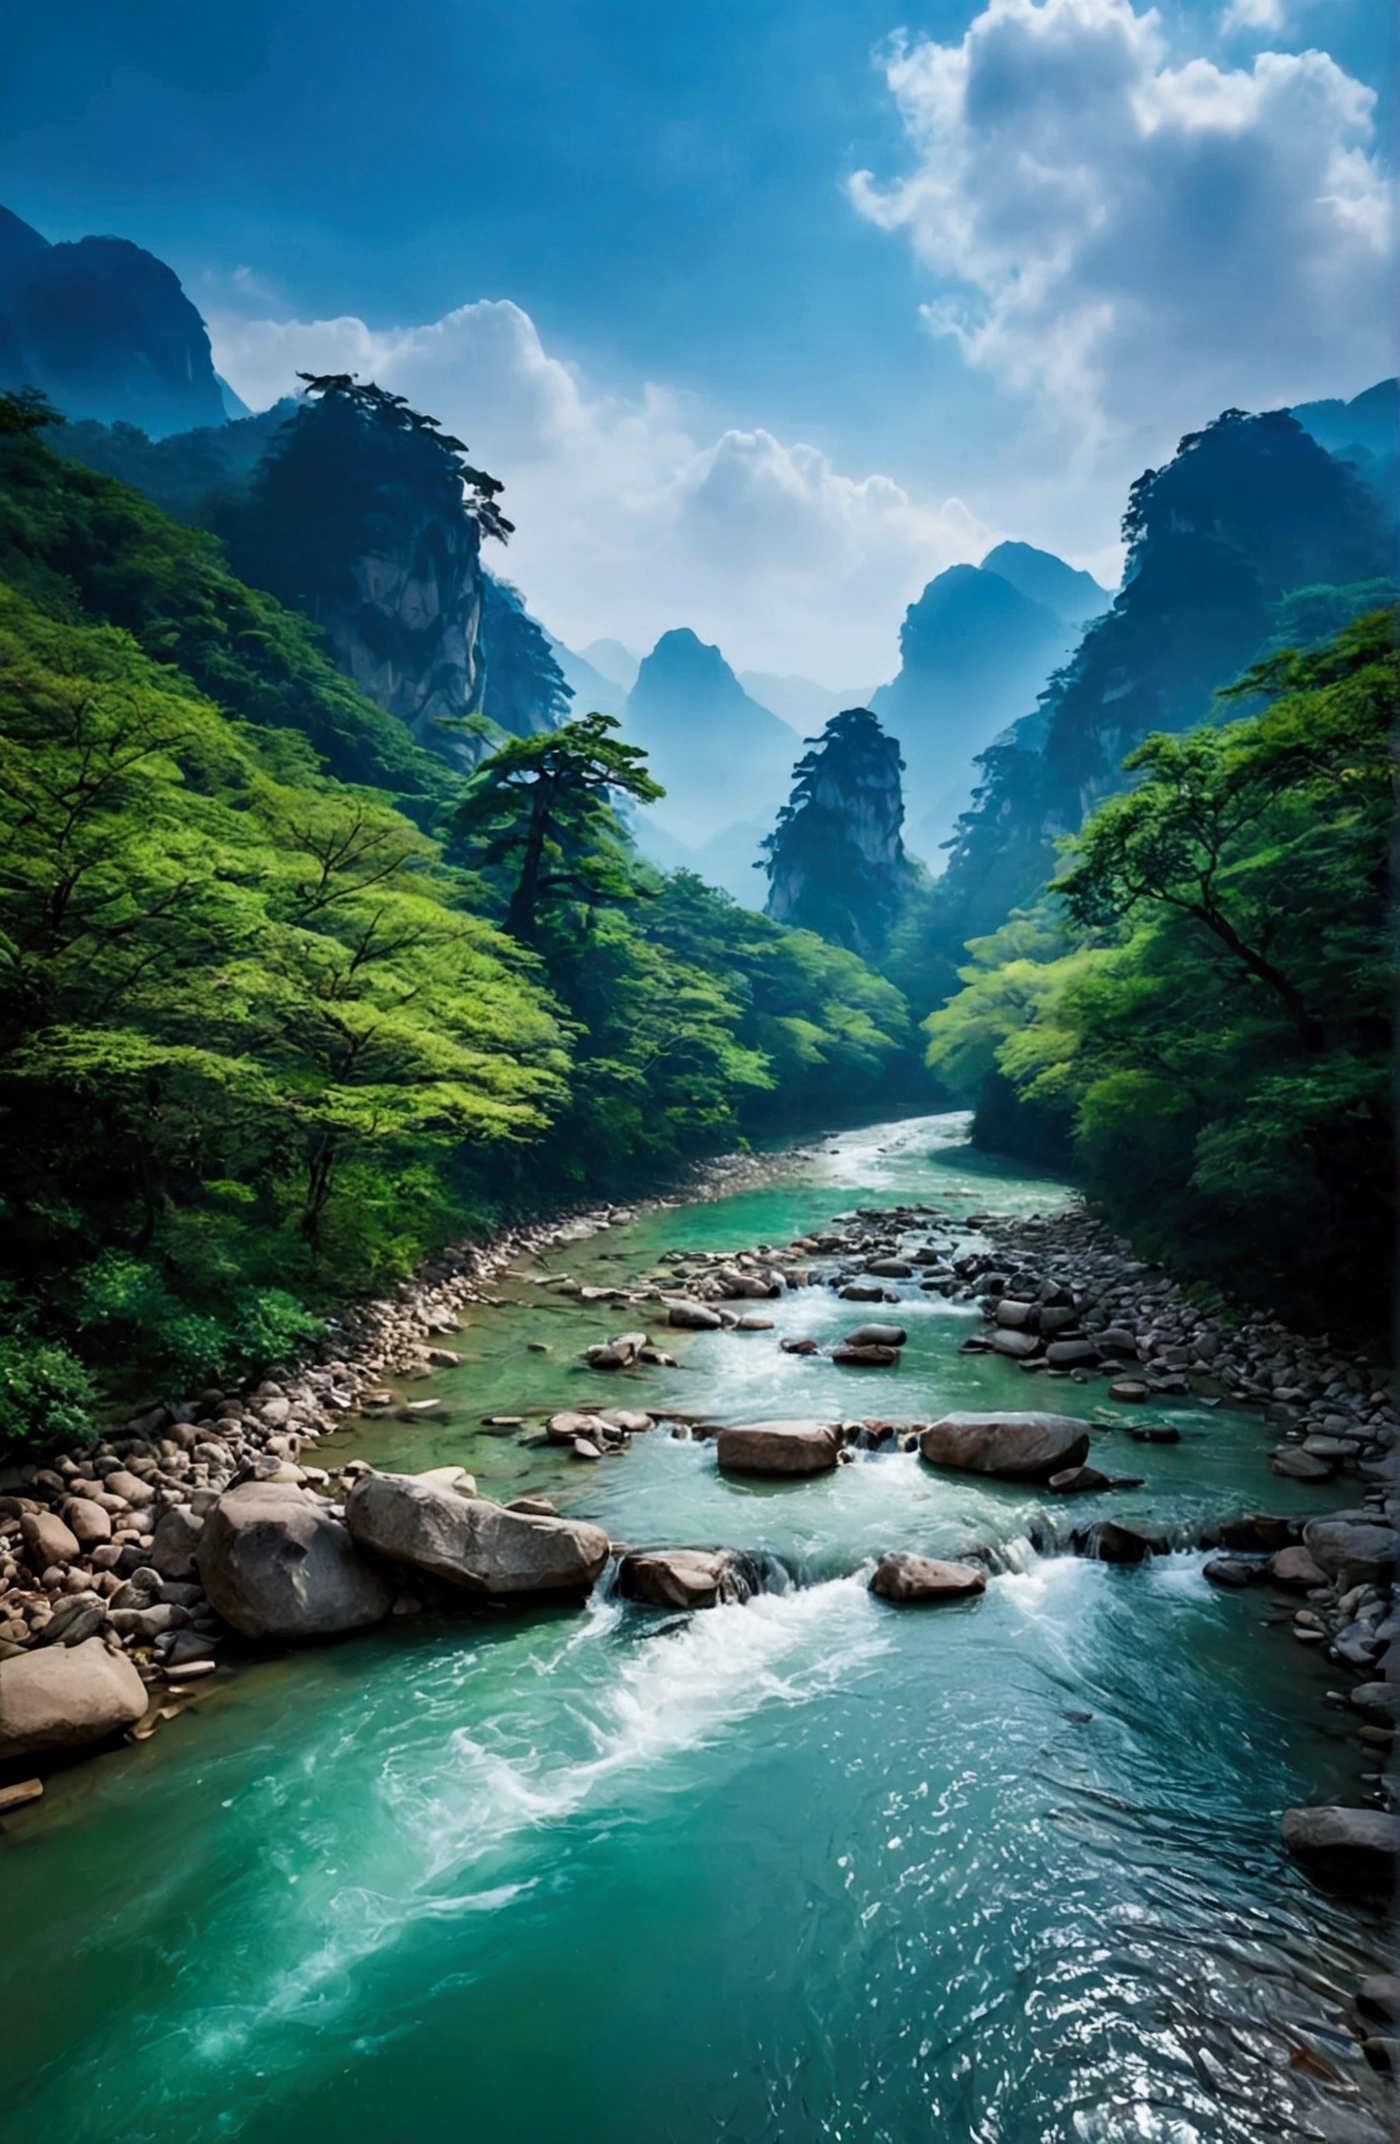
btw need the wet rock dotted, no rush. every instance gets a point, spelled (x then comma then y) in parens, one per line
(1082, 1481)
(20, 1795)
(752, 1324)
(632, 1421)
(866, 1291)
(471, 1543)
(1379, 1997)
(1352, 1549)
(890, 1268)
(1231, 1571)
(906, 1578)
(1257, 1533)
(1129, 1390)
(1014, 1447)
(1294, 1569)
(65, 1696)
(782, 1447)
(876, 1336)
(1108, 1542)
(1014, 1316)
(566, 1427)
(1348, 1849)
(869, 1358)
(1155, 1433)
(1380, 1698)
(1294, 1464)
(689, 1577)
(799, 1347)
(688, 1317)
(1071, 1354)
(1016, 1345)
(455, 1479)
(585, 1448)
(275, 1563)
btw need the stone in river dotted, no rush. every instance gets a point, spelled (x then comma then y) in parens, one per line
(1018, 1317)
(1352, 1548)
(20, 1795)
(890, 1268)
(1111, 1543)
(1382, 1698)
(1232, 1571)
(1080, 1481)
(693, 1317)
(866, 1291)
(902, 1578)
(1379, 1997)
(799, 1347)
(564, 1428)
(877, 1336)
(1071, 1354)
(1294, 1464)
(1127, 1389)
(753, 1324)
(688, 1577)
(455, 1478)
(1259, 1532)
(870, 1358)
(1351, 1849)
(276, 1563)
(1017, 1345)
(585, 1448)
(1294, 1569)
(1014, 1447)
(784, 1447)
(472, 1543)
(65, 1696)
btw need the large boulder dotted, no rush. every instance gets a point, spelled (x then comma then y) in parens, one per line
(1352, 1849)
(1020, 1346)
(174, 1542)
(876, 1336)
(89, 1524)
(688, 1317)
(903, 1578)
(1014, 1447)
(66, 1695)
(689, 1577)
(47, 1540)
(276, 1563)
(778, 1448)
(1294, 1569)
(1352, 1549)
(470, 1542)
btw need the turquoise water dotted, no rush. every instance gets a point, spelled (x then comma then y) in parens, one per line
(808, 1869)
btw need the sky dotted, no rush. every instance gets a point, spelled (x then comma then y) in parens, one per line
(765, 312)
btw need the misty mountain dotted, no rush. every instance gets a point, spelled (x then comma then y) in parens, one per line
(722, 757)
(1362, 432)
(1073, 595)
(104, 329)
(613, 661)
(800, 701)
(975, 653)
(594, 692)
(732, 859)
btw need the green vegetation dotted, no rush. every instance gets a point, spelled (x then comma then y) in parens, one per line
(1201, 1009)
(264, 1039)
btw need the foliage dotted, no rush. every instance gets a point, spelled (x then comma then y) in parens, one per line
(836, 861)
(525, 690)
(1207, 1007)
(47, 1395)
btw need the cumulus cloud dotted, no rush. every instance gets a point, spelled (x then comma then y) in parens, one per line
(626, 523)
(1132, 241)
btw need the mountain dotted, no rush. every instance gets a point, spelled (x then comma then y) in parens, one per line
(1362, 432)
(1251, 529)
(721, 756)
(104, 329)
(975, 653)
(836, 861)
(185, 472)
(593, 692)
(732, 859)
(800, 701)
(613, 661)
(1074, 596)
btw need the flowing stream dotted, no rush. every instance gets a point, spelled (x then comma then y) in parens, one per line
(809, 1869)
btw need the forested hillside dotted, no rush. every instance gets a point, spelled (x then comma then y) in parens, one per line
(263, 1038)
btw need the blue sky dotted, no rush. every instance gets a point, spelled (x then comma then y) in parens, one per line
(624, 249)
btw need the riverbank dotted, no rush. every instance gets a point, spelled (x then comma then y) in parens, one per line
(1074, 1742)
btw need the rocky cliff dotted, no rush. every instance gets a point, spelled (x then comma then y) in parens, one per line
(104, 329)
(836, 860)
(721, 756)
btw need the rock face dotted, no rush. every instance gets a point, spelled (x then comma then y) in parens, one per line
(1014, 1447)
(1352, 1849)
(1350, 1547)
(688, 1577)
(470, 1542)
(836, 861)
(105, 330)
(903, 1578)
(778, 1448)
(67, 1695)
(275, 1563)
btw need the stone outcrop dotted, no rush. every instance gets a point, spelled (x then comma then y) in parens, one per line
(66, 1695)
(904, 1578)
(689, 1577)
(276, 1563)
(791, 1447)
(1013, 1447)
(1350, 1849)
(837, 864)
(1350, 1547)
(472, 1543)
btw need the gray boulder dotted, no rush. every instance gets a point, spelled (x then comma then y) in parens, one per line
(868, 1357)
(689, 1317)
(1352, 1549)
(1294, 1569)
(688, 1577)
(67, 1695)
(1016, 1344)
(904, 1578)
(46, 1540)
(1071, 1354)
(778, 1448)
(1351, 1849)
(876, 1336)
(470, 1542)
(175, 1540)
(275, 1563)
(1014, 1447)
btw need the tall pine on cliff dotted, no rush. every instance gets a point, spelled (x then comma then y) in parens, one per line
(836, 861)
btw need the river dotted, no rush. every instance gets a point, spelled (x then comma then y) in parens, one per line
(809, 1869)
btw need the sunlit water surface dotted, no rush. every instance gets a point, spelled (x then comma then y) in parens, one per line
(812, 1868)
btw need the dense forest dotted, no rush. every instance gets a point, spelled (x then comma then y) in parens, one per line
(277, 1017)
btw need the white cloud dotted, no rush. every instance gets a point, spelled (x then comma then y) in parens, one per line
(1133, 244)
(625, 524)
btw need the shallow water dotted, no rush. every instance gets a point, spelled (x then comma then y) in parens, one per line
(812, 1868)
